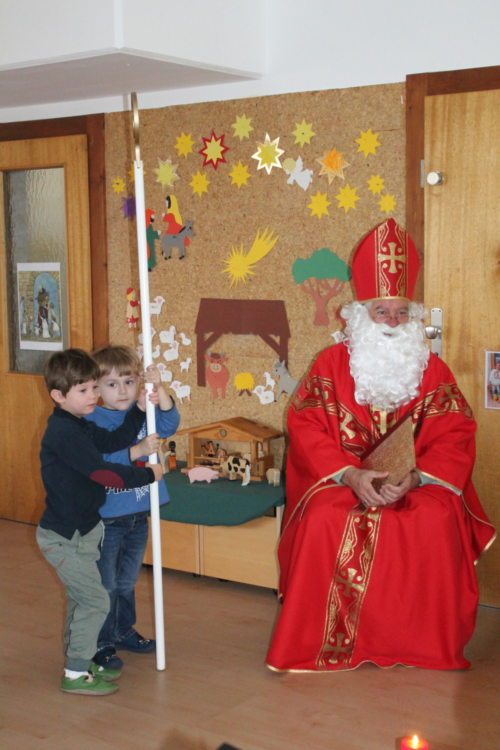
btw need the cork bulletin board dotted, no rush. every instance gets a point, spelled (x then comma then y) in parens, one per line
(253, 209)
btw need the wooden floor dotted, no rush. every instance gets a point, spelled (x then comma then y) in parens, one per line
(216, 688)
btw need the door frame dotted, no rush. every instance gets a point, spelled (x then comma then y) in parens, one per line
(418, 86)
(93, 127)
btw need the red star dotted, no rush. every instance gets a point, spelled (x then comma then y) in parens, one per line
(214, 150)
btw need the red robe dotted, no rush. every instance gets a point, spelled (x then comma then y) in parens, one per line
(392, 585)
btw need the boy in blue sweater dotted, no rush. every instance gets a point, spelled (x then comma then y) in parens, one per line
(70, 531)
(125, 512)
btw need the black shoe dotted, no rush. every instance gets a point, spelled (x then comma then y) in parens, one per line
(137, 643)
(108, 658)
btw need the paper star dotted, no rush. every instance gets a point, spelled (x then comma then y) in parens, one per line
(347, 198)
(303, 132)
(199, 183)
(242, 127)
(128, 207)
(368, 142)
(184, 144)
(239, 174)
(333, 165)
(387, 203)
(213, 150)
(268, 154)
(166, 173)
(375, 184)
(319, 205)
(118, 185)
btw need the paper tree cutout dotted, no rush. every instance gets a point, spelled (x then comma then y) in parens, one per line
(322, 277)
(368, 142)
(319, 205)
(268, 154)
(166, 173)
(213, 150)
(242, 127)
(347, 197)
(332, 165)
(303, 132)
(239, 175)
(239, 265)
(184, 145)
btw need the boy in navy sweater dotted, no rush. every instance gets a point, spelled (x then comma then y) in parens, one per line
(125, 512)
(70, 532)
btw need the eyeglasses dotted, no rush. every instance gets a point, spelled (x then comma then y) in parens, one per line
(381, 314)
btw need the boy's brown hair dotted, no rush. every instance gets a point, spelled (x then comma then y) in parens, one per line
(123, 359)
(70, 367)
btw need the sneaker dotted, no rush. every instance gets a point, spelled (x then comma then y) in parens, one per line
(108, 658)
(137, 643)
(105, 673)
(88, 685)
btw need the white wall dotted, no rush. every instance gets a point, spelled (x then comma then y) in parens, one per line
(323, 44)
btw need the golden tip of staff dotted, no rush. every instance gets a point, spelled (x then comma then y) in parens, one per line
(135, 125)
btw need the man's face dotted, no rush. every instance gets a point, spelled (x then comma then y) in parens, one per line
(392, 312)
(118, 392)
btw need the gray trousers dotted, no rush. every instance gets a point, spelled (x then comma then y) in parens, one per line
(75, 562)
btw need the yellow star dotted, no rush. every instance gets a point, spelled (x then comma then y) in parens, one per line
(376, 184)
(242, 127)
(368, 142)
(347, 198)
(118, 185)
(319, 205)
(166, 173)
(303, 132)
(199, 183)
(333, 165)
(268, 154)
(184, 144)
(239, 174)
(387, 203)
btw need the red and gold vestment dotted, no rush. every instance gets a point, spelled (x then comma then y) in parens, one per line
(390, 585)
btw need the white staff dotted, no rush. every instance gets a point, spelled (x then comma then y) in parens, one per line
(148, 359)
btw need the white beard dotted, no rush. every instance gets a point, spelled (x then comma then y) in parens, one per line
(386, 363)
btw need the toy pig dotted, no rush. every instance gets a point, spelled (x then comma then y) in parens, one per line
(202, 474)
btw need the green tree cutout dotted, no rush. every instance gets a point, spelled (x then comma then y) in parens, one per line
(321, 276)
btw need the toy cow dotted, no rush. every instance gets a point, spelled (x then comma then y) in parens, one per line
(217, 374)
(235, 467)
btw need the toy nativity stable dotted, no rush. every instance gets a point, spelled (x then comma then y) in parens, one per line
(212, 444)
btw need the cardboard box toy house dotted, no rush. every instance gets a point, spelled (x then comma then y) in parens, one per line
(210, 444)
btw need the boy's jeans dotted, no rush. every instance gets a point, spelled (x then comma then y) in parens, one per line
(122, 552)
(75, 562)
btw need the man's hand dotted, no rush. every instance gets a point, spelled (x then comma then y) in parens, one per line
(157, 469)
(392, 492)
(360, 482)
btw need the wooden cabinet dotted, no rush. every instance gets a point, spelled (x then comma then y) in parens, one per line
(244, 553)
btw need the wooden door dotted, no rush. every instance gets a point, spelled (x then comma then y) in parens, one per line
(24, 403)
(462, 270)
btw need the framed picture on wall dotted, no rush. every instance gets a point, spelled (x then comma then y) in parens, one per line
(492, 380)
(39, 305)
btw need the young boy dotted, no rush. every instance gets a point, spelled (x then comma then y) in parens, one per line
(70, 531)
(125, 512)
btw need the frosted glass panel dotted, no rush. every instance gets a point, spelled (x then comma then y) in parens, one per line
(35, 229)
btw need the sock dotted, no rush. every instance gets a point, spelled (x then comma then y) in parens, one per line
(71, 674)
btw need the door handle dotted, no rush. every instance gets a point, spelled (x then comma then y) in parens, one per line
(434, 331)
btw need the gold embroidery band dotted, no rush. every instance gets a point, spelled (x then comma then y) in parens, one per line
(348, 587)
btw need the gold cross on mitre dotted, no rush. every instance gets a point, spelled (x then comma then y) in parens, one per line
(392, 256)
